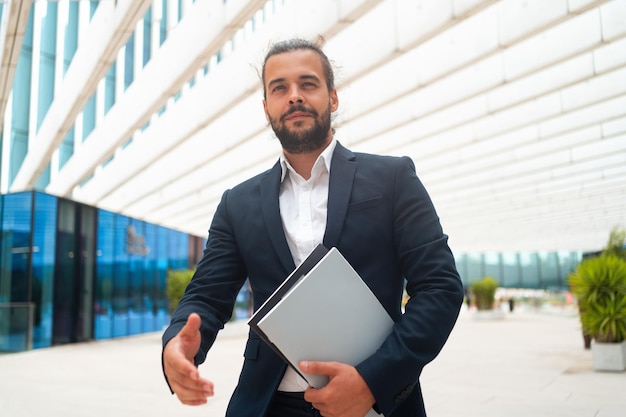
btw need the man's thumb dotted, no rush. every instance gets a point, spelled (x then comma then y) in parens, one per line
(192, 326)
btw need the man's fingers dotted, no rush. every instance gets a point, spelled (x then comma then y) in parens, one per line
(320, 368)
(178, 364)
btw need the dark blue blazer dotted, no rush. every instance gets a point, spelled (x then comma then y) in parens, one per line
(382, 220)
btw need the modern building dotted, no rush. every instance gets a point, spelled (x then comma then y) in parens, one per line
(123, 121)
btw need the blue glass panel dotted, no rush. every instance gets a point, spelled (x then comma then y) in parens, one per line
(120, 278)
(147, 36)
(137, 249)
(44, 178)
(103, 300)
(47, 58)
(163, 24)
(109, 88)
(14, 272)
(161, 251)
(20, 114)
(89, 117)
(44, 249)
(150, 279)
(93, 5)
(66, 150)
(129, 62)
(71, 35)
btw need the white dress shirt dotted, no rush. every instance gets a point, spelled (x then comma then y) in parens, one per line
(303, 205)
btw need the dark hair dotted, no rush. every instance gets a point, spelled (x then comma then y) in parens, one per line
(297, 44)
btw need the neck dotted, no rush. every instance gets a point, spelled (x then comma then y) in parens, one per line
(303, 163)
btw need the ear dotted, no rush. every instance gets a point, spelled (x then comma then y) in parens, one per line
(334, 101)
(267, 115)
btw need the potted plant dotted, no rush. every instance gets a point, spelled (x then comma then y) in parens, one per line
(175, 284)
(599, 284)
(484, 292)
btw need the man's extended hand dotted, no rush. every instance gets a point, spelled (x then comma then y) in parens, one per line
(179, 368)
(345, 395)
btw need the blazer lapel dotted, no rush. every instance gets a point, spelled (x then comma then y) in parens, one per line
(342, 169)
(270, 187)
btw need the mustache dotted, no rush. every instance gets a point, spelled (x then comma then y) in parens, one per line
(298, 108)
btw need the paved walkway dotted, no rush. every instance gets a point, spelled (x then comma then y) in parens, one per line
(525, 365)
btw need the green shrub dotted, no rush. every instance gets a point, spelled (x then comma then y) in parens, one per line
(175, 284)
(599, 284)
(484, 291)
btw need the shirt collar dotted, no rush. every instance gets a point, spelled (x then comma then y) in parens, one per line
(326, 156)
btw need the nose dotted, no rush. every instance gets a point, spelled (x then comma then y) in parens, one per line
(295, 96)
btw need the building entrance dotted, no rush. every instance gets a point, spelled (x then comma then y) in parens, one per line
(74, 273)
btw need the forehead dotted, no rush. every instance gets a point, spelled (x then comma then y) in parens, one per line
(293, 64)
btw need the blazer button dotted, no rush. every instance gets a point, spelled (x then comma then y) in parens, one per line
(402, 395)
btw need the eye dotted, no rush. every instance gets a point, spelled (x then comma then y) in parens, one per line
(278, 88)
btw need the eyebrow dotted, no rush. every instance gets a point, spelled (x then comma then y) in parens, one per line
(301, 77)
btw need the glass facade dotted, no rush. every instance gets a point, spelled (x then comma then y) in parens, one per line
(72, 272)
(531, 270)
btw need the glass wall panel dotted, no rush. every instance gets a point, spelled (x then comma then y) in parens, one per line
(20, 114)
(66, 150)
(510, 270)
(150, 279)
(549, 270)
(44, 250)
(89, 117)
(568, 263)
(109, 88)
(87, 265)
(147, 36)
(163, 23)
(66, 275)
(120, 278)
(161, 252)
(129, 62)
(136, 249)
(103, 305)
(47, 58)
(492, 265)
(71, 35)
(475, 268)
(529, 264)
(16, 312)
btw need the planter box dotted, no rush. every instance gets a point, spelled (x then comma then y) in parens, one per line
(609, 356)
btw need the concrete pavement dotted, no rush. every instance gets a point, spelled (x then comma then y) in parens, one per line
(529, 364)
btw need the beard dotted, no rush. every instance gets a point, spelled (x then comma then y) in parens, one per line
(302, 140)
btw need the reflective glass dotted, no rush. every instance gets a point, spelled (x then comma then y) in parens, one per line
(47, 58)
(530, 270)
(550, 274)
(103, 302)
(136, 248)
(15, 311)
(161, 253)
(120, 277)
(44, 249)
(492, 266)
(510, 270)
(71, 35)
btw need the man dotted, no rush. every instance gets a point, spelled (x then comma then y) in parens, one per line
(372, 208)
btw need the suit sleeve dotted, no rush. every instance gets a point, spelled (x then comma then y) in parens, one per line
(434, 288)
(215, 284)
